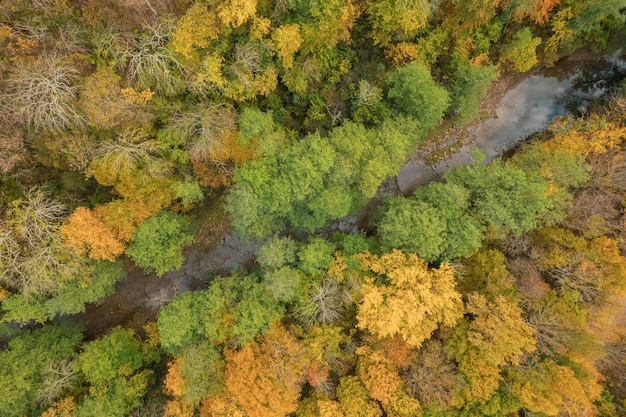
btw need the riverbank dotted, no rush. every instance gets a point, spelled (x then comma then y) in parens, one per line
(216, 250)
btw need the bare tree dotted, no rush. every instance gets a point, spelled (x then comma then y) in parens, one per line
(124, 154)
(327, 302)
(204, 128)
(149, 64)
(58, 377)
(580, 275)
(43, 93)
(33, 259)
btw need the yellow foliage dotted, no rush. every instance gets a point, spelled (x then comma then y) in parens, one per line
(4, 293)
(123, 216)
(133, 96)
(286, 41)
(210, 73)
(177, 408)
(402, 53)
(16, 47)
(379, 375)
(553, 389)
(260, 27)
(594, 136)
(498, 329)
(329, 408)
(65, 407)
(106, 104)
(561, 32)
(414, 304)
(220, 406)
(85, 232)
(337, 267)
(173, 383)
(235, 13)
(196, 29)
(331, 28)
(265, 379)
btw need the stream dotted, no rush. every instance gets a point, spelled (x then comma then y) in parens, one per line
(568, 87)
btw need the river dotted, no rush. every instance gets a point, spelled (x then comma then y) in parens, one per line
(526, 108)
(568, 87)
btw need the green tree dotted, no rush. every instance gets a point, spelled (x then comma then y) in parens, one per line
(316, 179)
(276, 252)
(71, 299)
(157, 245)
(413, 226)
(521, 53)
(24, 364)
(504, 197)
(470, 85)
(200, 368)
(113, 367)
(116, 354)
(232, 310)
(464, 233)
(181, 321)
(414, 92)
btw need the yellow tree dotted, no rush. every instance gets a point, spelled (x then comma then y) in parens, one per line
(553, 389)
(235, 13)
(85, 232)
(496, 335)
(195, 30)
(415, 301)
(265, 378)
(397, 20)
(107, 105)
(286, 41)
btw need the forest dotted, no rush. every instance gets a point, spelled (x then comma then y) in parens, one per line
(133, 132)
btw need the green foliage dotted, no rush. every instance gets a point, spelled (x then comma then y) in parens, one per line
(157, 245)
(117, 354)
(188, 192)
(233, 309)
(471, 83)
(414, 92)
(118, 399)
(180, 322)
(70, 300)
(435, 223)
(315, 255)
(254, 311)
(315, 179)
(504, 197)
(283, 283)
(413, 226)
(201, 370)
(368, 106)
(268, 137)
(113, 367)
(24, 362)
(276, 252)
(464, 233)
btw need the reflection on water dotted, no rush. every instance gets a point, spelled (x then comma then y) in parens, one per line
(524, 110)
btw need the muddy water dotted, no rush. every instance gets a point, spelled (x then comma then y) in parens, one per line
(138, 296)
(526, 109)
